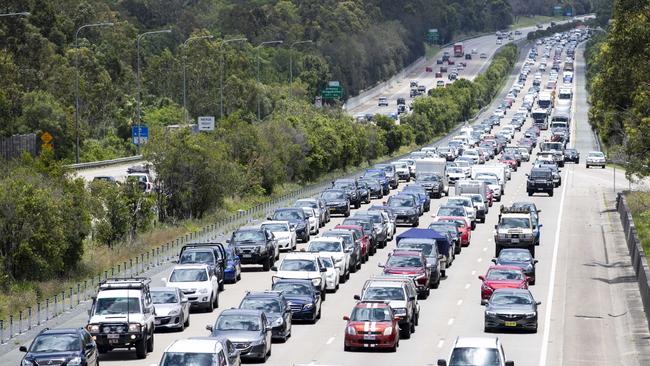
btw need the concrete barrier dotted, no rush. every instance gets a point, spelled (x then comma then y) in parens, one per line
(102, 163)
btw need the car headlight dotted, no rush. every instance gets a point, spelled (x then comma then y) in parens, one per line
(490, 313)
(501, 235)
(27, 363)
(530, 315)
(486, 287)
(174, 312)
(92, 328)
(203, 290)
(350, 330)
(134, 327)
(308, 306)
(76, 361)
(388, 331)
(277, 322)
(316, 281)
(400, 311)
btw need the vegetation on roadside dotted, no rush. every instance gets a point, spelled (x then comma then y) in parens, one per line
(529, 21)
(639, 204)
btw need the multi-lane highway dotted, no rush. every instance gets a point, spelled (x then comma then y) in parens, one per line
(589, 313)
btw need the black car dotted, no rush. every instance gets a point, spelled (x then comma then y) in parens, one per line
(405, 208)
(432, 182)
(67, 346)
(572, 155)
(351, 188)
(254, 245)
(540, 180)
(212, 254)
(374, 187)
(379, 225)
(519, 258)
(337, 201)
(248, 330)
(302, 297)
(364, 191)
(511, 308)
(298, 220)
(451, 227)
(276, 308)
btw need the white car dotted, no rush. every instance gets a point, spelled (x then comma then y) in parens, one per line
(314, 222)
(285, 237)
(475, 351)
(143, 179)
(468, 204)
(305, 266)
(493, 183)
(596, 158)
(332, 274)
(314, 203)
(193, 350)
(334, 247)
(198, 283)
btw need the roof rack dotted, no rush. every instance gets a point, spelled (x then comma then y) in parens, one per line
(507, 210)
(126, 283)
(270, 292)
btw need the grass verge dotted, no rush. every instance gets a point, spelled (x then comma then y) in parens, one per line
(639, 204)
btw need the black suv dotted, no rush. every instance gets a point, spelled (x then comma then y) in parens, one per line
(276, 308)
(351, 187)
(212, 254)
(540, 180)
(254, 245)
(68, 346)
(571, 155)
(432, 183)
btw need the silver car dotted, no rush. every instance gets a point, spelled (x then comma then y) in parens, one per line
(172, 308)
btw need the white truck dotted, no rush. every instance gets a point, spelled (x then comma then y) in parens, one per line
(434, 165)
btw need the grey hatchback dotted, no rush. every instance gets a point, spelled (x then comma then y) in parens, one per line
(248, 330)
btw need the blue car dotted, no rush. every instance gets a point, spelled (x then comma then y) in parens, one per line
(232, 272)
(381, 176)
(304, 300)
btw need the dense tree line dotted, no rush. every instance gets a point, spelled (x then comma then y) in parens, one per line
(357, 42)
(545, 7)
(619, 85)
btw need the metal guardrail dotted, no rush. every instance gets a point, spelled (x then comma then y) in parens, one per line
(103, 163)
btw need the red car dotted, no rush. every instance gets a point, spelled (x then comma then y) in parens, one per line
(501, 277)
(510, 160)
(364, 240)
(408, 262)
(372, 324)
(428, 69)
(463, 227)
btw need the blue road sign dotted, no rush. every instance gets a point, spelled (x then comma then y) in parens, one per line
(140, 134)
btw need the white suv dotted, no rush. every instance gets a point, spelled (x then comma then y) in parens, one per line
(334, 247)
(304, 266)
(478, 351)
(198, 282)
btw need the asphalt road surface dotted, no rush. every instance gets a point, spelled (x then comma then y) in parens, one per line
(589, 313)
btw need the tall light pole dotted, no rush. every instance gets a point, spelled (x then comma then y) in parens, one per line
(185, 44)
(259, 113)
(139, 82)
(76, 89)
(22, 13)
(221, 67)
(291, 62)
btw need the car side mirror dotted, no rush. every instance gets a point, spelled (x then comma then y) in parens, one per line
(228, 240)
(481, 277)
(510, 363)
(535, 261)
(496, 227)
(269, 218)
(440, 256)
(493, 260)
(442, 363)
(540, 225)
(380, 265)
(209, 327)
(184, 300)
(164, 281)
(22, 349)
(538, 303)
(412, 298)
(323, 269)
(90, 346)
(345, 317)
(274, 268)
(357, 297)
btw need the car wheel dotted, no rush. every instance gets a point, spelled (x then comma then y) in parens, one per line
(530, 193)
(587, 166)
(405, 333)
(187, 321)
(150, 343)
(222, 285)
(358, 265)
(182, 326)
(550, 193)
(141, 349)
(323, 295)
(266, 266)
(102, 349)
(347, 213)
(318, 314)
(347, 348)
(239, 275)
(416, 223)
(210, 307)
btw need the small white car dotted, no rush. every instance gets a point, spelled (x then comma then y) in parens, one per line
(332, 275)
(596, 158)
(334, 247)
(285, 237)
(314, 221)
(194, 350)
(475, 351)
(305, 266)
(198, 283)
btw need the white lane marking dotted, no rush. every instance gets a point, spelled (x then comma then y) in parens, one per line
(551, 283)
(480, 260)
(473, 273)
(440, 343)
(451, 321)
(467, 286)
(329, 341)
(460, 302)
(485, 249)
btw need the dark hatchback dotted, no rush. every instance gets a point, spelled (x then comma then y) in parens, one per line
(571, 155)
(297, 219)
(303, 299)
(65, 346)
(337, 201)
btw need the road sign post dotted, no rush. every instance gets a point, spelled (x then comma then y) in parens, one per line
(206, 123)
(140, 134)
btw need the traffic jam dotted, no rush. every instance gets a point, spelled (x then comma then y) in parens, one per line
(459, 184)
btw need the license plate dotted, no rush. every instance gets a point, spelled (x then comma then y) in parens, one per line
(157, 321)
(113, 341)
(511, 324)
(332, 209)
(247, 255)
(369, 337)
(515, 240)
(113, 336)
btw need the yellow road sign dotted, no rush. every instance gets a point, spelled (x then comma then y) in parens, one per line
(46, 137)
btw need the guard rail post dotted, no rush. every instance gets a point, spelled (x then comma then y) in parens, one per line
(29, 318)
(2, 331)
(38, 314)
(131, 266)
(62, 301)
(47, 309)
(78, 293)
(20, 322)
(11, 326)
(70, 298)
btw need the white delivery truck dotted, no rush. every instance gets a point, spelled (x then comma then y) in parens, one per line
(434, 165)
(499, 169)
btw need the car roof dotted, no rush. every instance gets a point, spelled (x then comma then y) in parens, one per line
(190, 266)
(205, 345)
(326, 239)
(265, 294)
(371, 304)
(302, 281)
(502, 267)
(381, 283)
(275, 222)
(301, 255)
(172, 289)
(62, 331)
(476, 342)
(241, 311)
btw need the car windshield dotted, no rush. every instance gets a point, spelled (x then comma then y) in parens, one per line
(384, 293)
(164, 297)
(540, 174)
(511, 299)
(238, 322)
(331, 195)
(477, 199)
(451, 211)
(347, 237)
(266, 305)
(189, 275)
(311, 204)
(455, 170)
(293, 288)
(188, 359)
(400, 202)
(117, 305)
(371, 315)
(309, 212)
(428, 178)
(327, 262)
(298, 265)
(325, 246)
(515, 256)
(514, 222)
(275, 227)
(374, 175)
(425, 248)
(195, 256)
(470, 356)
(488, 180)
(504, 275)
(404, 261)
(596, 155)
(286, 215)
(56, 343)
(248, 235)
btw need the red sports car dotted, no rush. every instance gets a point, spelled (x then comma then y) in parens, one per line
(501, 277)
(372, 324)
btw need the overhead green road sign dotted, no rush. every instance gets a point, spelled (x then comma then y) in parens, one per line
(332, 92)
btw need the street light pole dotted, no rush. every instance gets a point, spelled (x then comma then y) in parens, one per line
(291, 62)
(185, 44)
(76, 89)
(139, 82)
(22, 13)
(222, 66)
(257, 80)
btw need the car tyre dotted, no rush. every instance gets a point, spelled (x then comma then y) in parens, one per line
(266, 266)
(405, 333)
(347, 348)
(141, 349)
(530, 193)
(150, 344)
(323, 295)
(187, 321)
(550, 193)
(102, 349)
